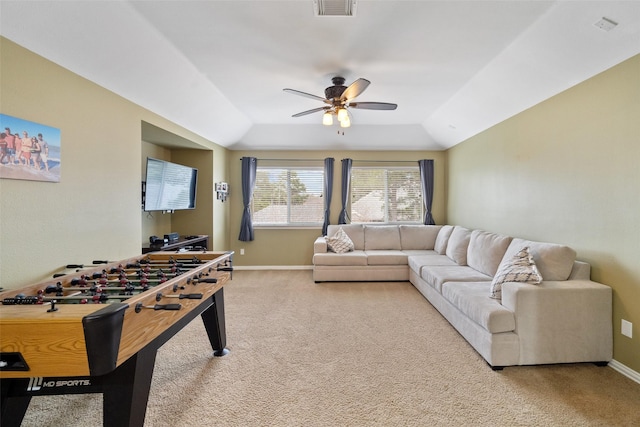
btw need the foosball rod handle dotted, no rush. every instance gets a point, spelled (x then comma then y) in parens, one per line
(140, 306)
(166, 307)
(160, 295)
(82, 265)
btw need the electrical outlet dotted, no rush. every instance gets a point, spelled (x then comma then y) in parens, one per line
(626, 329)
(242, 251)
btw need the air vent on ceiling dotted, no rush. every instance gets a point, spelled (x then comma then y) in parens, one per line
(606, 24)
(334, 7)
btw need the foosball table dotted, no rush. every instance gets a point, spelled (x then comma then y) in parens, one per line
(97, 329)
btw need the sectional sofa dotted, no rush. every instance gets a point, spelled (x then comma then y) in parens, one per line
(516, 301)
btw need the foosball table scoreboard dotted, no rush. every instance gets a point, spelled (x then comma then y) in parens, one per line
(97, 329)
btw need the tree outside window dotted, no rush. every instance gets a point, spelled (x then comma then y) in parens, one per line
(288, 196)
(386, 195)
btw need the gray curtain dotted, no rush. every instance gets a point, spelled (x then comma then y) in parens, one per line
(249, 167)
(426, 181)
(328, 191)
(346, 179)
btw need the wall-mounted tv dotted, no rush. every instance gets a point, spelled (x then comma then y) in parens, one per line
(169, 186)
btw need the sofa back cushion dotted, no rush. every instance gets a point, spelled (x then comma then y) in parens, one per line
(419, 237)
(443, 239)
(354, 231)
(554, 261)
(381, 237)
(458, 245)
(486, 250)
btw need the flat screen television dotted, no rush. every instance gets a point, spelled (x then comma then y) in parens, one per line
(169, 186)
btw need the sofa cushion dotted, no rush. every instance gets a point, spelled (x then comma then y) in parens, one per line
(418, 236)
(486, 250)
(350, 258)
(520, 268)
(436, 275)
(416, 262)
(554, 261)
(416, 252)
(381, 237)
(471, 299)
(354, 231)
(458, 245)
(442, 239)
(340, 242)
(386, 257)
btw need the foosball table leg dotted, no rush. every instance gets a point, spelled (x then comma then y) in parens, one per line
(126, 390)
(213, 319)
(12, 408)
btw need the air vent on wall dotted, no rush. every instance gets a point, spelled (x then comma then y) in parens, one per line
(334, 7)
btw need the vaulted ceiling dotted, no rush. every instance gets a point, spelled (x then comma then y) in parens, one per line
(217, 68)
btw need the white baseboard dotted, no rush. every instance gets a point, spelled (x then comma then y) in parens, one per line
(273, 267)
(625, 370)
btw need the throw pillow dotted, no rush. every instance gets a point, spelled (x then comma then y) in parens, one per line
(340, 242)
(521, 268)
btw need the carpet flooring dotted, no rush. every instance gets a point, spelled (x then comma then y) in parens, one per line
(349, 354)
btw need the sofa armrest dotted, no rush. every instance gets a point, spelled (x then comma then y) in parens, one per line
(320, 245)
(561, 321)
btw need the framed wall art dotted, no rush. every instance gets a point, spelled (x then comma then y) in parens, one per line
(28, 150)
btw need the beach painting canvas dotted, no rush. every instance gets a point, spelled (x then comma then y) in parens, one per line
(29, 150)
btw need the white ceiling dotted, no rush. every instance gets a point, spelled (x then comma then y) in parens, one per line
(217, 68)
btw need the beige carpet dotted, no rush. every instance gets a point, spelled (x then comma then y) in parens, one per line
(350, 354)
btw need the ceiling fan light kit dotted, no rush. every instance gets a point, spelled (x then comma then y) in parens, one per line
(327, 119)
(342, 114)
(339, 97)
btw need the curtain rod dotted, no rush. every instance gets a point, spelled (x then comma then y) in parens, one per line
(290, 160)
(385, 161)
(355, 160)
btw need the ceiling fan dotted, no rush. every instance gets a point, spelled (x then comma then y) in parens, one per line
(339, 98)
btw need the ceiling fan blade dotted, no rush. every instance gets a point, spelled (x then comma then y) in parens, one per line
(373, 105)
(307, 95)
(315, 110)
(355, 89)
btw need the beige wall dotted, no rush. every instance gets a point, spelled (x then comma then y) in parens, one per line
(294, 246)
(94, 211)
(199, 220)
(566, 171)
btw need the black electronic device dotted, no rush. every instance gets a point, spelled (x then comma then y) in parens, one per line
(169, 186)
(172, 237)
(157, 241)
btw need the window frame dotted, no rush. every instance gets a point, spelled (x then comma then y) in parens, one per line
(386, 197)
(288, 223)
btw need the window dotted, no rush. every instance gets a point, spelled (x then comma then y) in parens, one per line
(386, 195)
(288, 196)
